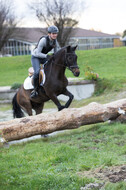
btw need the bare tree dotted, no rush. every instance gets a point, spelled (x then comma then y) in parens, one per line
(62, 13)
(124, 33)
(7, 21)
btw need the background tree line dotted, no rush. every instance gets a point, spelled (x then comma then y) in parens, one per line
(7, 21)
(62, 13)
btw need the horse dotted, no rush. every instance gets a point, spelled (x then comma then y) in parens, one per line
(55, 84)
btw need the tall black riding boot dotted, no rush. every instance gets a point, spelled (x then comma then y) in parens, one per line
(34, 93)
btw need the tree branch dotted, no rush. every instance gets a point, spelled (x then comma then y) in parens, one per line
(7, 22)
(60, 13)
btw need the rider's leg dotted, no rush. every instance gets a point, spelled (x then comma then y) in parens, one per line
(36, 66)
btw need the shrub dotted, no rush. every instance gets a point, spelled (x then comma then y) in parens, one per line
(15, 85)
(104, 84)
(90, 74)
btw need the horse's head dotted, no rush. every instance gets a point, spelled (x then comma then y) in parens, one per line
(71, 60)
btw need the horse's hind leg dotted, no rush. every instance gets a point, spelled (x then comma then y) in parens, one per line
(38, 108)
(25, 104)
(27, 108)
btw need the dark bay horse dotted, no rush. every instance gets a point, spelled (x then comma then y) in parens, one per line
(55, 84)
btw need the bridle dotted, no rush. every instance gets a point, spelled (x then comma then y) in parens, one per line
(67, 62)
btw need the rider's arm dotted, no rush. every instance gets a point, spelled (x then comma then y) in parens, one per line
(37, 51)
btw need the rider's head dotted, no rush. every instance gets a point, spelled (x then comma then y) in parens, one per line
(53, 32)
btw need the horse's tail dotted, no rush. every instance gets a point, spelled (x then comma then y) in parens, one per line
(17, 112)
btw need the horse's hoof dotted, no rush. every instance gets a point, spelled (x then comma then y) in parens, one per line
(61, 108)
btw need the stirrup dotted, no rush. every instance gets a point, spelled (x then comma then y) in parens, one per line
(34, 94)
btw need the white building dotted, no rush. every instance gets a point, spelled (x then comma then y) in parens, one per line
(25, 39)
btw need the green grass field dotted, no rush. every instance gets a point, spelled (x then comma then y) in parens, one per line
(109, 63)
(62, 162)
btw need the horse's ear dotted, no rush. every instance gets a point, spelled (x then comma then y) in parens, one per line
(68, 49)
(74, 48)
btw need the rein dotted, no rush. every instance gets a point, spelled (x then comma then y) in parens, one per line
(66, 65)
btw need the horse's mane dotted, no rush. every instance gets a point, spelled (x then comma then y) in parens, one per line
(55, 55)
(60, 51)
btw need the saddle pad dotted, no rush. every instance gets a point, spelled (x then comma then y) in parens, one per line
(28, 82)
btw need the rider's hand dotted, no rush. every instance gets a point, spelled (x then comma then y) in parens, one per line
(48, 57)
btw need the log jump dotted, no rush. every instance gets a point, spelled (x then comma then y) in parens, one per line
(70, 118)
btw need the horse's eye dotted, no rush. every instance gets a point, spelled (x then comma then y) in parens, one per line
(69, 58)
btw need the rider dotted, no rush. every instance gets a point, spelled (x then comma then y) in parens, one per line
(40, 56)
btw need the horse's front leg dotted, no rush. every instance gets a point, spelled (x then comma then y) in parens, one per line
(67, 93)
(54, 98)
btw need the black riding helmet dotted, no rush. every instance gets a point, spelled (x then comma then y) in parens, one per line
(53, 29)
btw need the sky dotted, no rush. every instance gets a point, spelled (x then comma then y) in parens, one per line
(107, 16)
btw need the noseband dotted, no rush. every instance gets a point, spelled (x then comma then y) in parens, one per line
(68, 61)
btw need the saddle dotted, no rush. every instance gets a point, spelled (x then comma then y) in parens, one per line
(28, 83)
(41, 73)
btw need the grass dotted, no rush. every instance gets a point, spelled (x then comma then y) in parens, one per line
(54, 163)
(108, 63)
(14, 69)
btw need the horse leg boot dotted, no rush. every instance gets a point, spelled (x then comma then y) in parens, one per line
(34, 93)
(67, 93)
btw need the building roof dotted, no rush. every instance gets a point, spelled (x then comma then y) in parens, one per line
(28, 34)
(79, 32)
(32, 35)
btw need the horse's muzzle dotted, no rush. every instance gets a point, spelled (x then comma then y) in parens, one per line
(76, 72)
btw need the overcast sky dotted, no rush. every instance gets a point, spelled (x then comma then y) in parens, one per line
(103, 15)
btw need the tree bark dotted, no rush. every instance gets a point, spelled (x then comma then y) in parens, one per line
(69, 118)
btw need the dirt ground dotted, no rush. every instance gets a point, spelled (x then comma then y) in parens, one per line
(112, 174)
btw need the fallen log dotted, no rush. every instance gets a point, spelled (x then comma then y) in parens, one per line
(70, 118)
